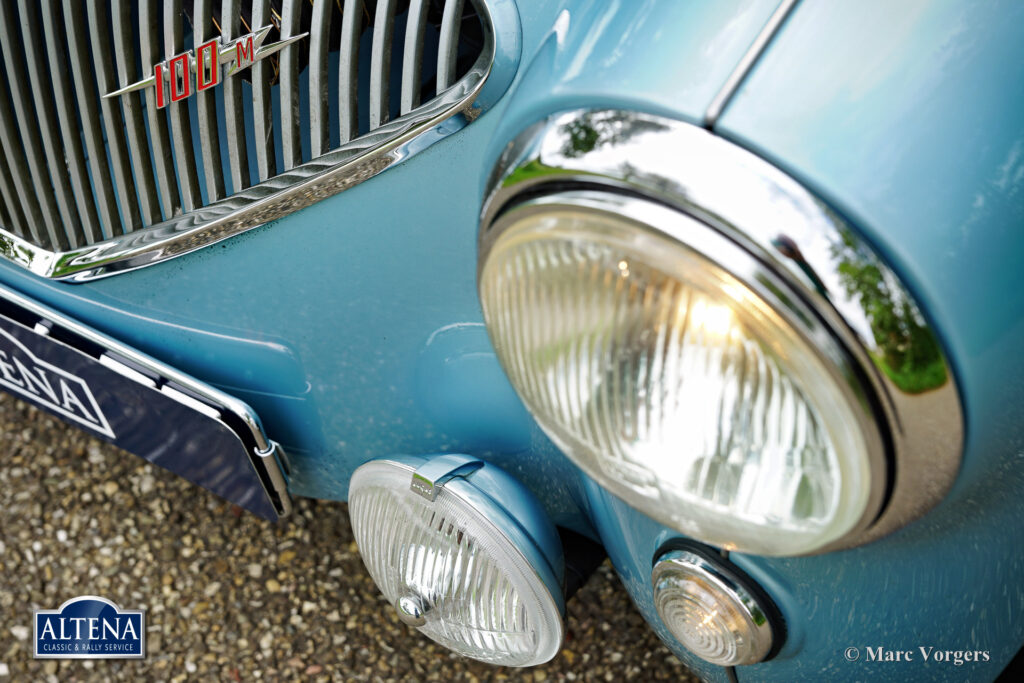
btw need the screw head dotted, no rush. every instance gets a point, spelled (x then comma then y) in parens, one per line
(411, 610)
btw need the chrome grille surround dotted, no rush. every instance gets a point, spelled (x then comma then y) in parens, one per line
(72, 216)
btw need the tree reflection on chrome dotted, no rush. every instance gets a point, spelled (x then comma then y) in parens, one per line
(598, 129)
(907, 351)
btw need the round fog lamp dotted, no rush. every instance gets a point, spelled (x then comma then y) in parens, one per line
(465, 555)
(710, 607)
(680, 373)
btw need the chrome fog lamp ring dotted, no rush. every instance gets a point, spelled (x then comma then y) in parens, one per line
(829, 274)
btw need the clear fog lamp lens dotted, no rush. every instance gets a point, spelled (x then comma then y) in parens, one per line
(710, 610)
(451, 569)
(672, 383)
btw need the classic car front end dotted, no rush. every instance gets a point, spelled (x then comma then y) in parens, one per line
(729, 290)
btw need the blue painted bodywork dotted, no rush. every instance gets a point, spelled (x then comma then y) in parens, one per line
(354, 330)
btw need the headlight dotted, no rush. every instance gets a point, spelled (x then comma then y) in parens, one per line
(462, 553)
(705, 396)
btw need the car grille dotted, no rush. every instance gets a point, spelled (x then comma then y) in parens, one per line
(87, 180)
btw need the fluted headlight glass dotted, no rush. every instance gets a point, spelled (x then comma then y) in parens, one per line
(451, 572)
(672, 382)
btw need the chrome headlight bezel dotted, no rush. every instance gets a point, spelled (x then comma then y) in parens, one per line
(748, 204)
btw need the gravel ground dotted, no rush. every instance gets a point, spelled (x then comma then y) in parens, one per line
(229, 596)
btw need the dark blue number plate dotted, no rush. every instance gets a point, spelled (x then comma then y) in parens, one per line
(140, 405)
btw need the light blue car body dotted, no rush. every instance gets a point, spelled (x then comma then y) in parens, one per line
(354, 330)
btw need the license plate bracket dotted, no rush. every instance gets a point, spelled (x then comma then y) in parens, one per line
(140, 404)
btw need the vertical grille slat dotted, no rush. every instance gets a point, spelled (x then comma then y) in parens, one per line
(159, 133)
(206, 106)
(234, 113)
(412, 55)
(348, 69)
(134, 124)
(114, 126)
(88, 158)
(76, 33)
(27, 130)
(67, 116)
(448, 47)
(181, 127)
(319, 110)
(24, 197)
(380, 62)
(43, 103)
(262, 104)
(12, 214)
(291, 142)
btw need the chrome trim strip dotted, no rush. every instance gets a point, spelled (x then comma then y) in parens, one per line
(225, 402)
(797, 236)
(747, 62)
(346, 166)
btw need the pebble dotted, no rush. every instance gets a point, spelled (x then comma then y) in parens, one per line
(231, 597)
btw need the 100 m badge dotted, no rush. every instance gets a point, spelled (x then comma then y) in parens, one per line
(196, 70)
